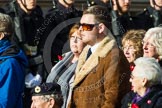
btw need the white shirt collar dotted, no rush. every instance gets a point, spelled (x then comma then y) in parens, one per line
(93, 48)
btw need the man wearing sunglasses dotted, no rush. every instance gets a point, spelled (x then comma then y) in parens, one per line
(102, 79)
(121, 17)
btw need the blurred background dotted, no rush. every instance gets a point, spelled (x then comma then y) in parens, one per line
(137, 5)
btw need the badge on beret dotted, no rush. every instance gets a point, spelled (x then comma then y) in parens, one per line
(37, 89)
(46, 89)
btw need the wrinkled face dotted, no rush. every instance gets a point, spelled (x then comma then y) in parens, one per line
(124, 5)
(136, 81)
(38, 102)
(149, 49)
(129, 51)
(30, 4)
(76, 43)
(89, 29)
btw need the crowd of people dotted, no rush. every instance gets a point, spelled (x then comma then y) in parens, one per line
(99, 57)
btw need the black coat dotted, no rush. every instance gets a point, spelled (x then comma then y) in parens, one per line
(152, 100)
(2, 10)
(26, 25)
(150, 18)
(122, 23)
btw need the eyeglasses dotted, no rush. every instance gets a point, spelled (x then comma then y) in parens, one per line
(87, 27)
(131, 47)
(132, 77)
(74, 38)
(148, 44)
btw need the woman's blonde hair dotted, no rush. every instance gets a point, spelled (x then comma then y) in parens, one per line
(136, 37)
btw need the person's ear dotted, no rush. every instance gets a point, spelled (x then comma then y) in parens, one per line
(51, 103)
(101, 28)
(1, 36)
(144, 82)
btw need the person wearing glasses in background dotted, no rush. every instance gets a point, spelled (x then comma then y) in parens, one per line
(63, 72)
(121, 18)
(132, 45)
(47, 95)
(152, 44)
(62, 10)
(102, 73)
(146, 80)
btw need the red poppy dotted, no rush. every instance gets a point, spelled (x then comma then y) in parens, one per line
(132, 67)
(134, 106)
(59, 57)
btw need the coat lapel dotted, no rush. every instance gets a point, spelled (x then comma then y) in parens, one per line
(85, 67)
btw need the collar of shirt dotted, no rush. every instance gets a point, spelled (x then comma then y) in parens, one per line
(137, 98)
(93, 48)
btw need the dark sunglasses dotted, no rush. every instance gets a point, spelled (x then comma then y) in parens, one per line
(87, 27)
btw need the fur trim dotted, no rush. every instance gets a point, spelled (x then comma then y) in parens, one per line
(84, 67)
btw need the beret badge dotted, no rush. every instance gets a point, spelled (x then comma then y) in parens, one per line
(37, 89)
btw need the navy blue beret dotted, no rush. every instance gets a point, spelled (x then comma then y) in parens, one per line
(46, 89)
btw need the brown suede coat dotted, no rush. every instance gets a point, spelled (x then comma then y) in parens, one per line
(103, 79)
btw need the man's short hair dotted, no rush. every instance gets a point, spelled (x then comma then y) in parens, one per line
(6, 24)
(101, 13)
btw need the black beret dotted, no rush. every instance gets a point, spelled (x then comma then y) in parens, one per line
(46, 89)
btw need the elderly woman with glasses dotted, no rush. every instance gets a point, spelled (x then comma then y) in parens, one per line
(146, 85)
(63, 72)
(132, 45)
(152, 44)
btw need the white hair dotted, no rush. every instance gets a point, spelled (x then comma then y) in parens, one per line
(57, 97)
(148, 68)
(156, 35)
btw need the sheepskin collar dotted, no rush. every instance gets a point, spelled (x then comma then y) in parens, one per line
(85, 66)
